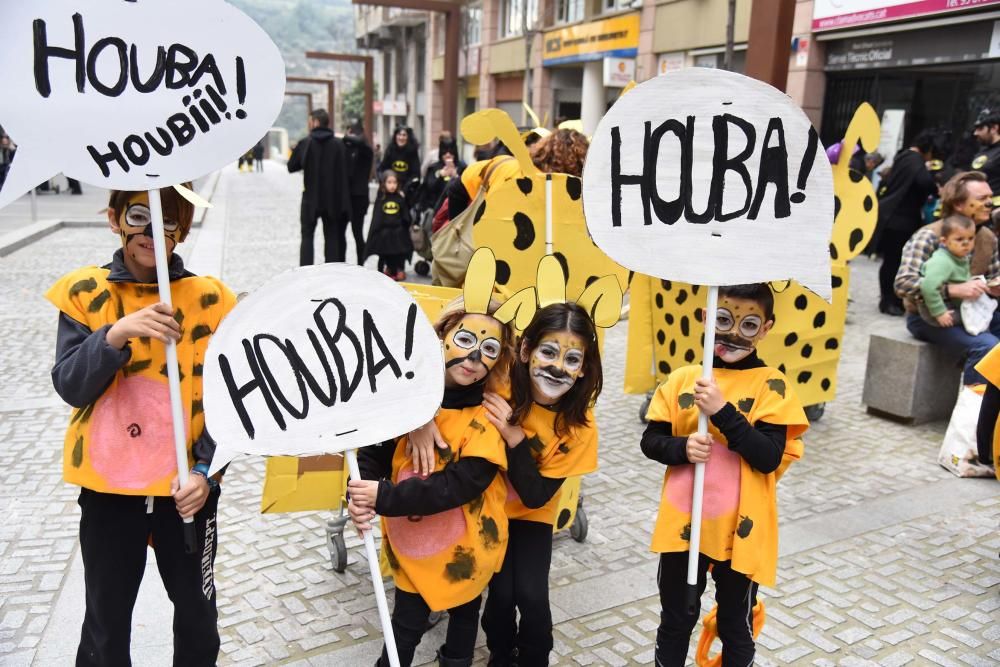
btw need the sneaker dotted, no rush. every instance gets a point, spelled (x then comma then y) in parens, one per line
(400, 276)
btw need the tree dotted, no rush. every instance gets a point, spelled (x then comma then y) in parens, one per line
(354, 102)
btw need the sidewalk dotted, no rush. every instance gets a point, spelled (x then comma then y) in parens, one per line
(886, 558)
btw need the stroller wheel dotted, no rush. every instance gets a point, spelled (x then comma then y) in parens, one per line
(422, 267)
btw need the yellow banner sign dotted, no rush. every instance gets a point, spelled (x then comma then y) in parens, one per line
(616, 37)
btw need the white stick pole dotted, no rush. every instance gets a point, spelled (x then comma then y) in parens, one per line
(173, 377)
(708, 354)
(33, 197)
(383, 605)
(548, 214)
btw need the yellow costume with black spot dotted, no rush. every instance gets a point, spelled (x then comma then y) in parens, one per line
(123, 442)
(557, 456)
(449, 557)
(740, 517)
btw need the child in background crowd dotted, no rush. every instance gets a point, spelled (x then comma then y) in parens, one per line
(389, 235)
(755, 421)
(948, 265)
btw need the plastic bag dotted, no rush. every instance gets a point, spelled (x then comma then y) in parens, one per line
(958, 451)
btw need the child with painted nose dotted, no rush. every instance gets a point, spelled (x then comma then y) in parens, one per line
(444, 534)
(551, 434)
(755, 421)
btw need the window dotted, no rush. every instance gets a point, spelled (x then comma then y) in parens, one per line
(615, 5)
(421, 60)
(512, 17)
(570, 11)
(472, 25)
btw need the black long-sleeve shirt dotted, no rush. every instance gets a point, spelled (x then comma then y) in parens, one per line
(522, 470)
(760, 444)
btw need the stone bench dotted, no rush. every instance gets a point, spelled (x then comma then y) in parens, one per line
(910, 380)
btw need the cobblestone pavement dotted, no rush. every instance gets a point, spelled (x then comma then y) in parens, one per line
(886, 558)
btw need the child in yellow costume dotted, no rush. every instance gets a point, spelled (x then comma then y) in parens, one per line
(119, 447)
(551, 434)
(444, 534)
(755, 422)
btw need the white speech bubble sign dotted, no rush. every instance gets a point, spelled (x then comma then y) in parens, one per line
(132, 95)
(711, 178)
(319, 360)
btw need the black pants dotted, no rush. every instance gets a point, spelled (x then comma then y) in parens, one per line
(735, 594)
(522, 585)
(333, 234)
(74, 186)
(359, 208)
(891, 246)
(409, 622)
(115, 532)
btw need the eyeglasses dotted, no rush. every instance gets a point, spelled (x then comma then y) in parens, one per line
(749, 326)
(139, 217)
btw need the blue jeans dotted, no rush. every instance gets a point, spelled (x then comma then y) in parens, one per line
(958, 341)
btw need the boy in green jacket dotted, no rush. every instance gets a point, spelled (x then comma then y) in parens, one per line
(948, 264)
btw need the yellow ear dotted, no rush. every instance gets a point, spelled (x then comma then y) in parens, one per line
(479, 280)
(531, 113)
(519, 309)
(484, 126)
(603, 300)
(550, 281)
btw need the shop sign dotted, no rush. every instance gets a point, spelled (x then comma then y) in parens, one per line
(671, 62)
(964, 42)
(618, 72)
(616, 37)
(834, 14)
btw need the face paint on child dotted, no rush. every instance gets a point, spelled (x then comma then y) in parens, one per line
(471, 349)
(555, 365)
(739, 325)
(135, 226)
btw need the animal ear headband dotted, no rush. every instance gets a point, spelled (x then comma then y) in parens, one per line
(602, 299)
(480, 279)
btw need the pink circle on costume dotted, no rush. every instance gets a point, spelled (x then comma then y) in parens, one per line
(722, 484)
(424, 536)
(131, 442)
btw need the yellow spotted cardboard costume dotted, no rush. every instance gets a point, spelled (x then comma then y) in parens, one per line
(123, 443)
(449, 557)
(557, 456)
(739, 513)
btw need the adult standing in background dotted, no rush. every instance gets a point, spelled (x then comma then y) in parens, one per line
(359, 164)
(325, 194)
(402, 156)
(900, 212)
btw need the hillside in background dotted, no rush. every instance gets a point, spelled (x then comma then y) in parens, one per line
(297, 26)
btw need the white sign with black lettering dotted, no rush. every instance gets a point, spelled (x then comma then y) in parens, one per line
(711, 178)
(132, 95)
(319, 360)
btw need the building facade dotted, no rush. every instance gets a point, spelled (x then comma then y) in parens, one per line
(921, 63)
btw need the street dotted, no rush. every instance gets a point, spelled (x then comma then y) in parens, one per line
(886, 558)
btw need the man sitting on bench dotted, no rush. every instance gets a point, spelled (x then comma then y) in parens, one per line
(966, 193)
